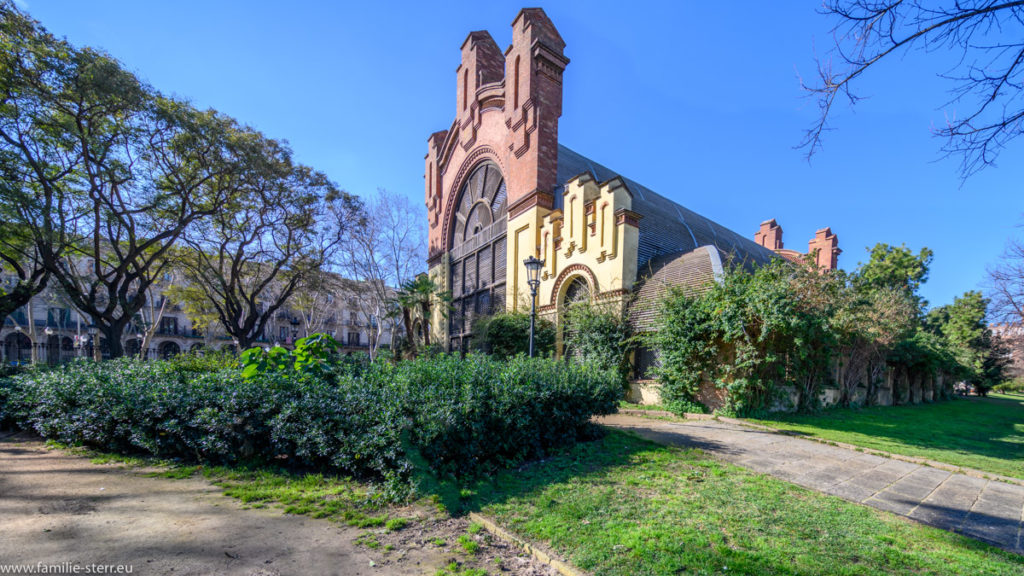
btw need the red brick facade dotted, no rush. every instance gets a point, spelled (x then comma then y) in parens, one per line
(507, 110)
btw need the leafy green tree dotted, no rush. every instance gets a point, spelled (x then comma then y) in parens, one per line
(108, 173)
(895, 267)
(964, 328)
(201, 313)
(748, 335)
(29, 185)
(270, 233)
(869, 323)
(22, 273)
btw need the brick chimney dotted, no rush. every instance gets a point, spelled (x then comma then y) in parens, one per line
(770, 235)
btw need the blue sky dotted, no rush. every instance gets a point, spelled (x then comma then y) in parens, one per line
(699, 101)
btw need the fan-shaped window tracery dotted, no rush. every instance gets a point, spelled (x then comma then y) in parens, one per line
(478, 251)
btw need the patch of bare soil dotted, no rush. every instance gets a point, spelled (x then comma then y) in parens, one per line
(57, 508)
(455, 541)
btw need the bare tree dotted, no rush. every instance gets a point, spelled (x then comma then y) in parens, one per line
(383, 250)
(1006, 285)
(315, 301)
(986, 35)
(249, 256)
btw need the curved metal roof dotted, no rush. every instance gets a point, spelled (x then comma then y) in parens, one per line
(666, 227)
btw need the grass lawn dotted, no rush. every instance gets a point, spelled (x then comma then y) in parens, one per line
(623, 505)
(982, 433)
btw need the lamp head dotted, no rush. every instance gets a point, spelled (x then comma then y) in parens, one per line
(533, 267)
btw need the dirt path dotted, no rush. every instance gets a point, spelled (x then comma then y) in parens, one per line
(57, 507)
(984, 509)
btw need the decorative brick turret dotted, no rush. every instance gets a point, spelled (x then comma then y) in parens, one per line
(770, 235)
(507, 111)
(482, 63)
(824, 246)
(533, 105)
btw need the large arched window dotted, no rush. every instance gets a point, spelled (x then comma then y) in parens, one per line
(478, 251)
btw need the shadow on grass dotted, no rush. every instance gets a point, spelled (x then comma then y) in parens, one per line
(988, 427)
(623, 504)
(589, 459)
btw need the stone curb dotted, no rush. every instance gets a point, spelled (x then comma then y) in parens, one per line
(539, 555)
(911, 459)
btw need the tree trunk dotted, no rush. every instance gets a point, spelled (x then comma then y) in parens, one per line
(425, 308)
(112, 332)
(410, 340)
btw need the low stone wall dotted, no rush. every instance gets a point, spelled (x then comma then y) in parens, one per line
(644, 392)
(897, 388)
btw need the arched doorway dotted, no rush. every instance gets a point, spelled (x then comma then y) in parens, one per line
(577, 292)
(478, 244)
(17, 349)
(168, 349)
(417, 331)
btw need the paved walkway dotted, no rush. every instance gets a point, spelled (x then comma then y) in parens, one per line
(983, 509)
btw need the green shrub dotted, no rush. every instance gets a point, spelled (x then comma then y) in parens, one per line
(459, 417)
(477, 414)
(507, 334)
(205, 361)
(599, 334)
(310, 355)
(1008, 387)
(749, 334)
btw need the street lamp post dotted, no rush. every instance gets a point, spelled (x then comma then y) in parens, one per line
(97, 355)
(533, 266)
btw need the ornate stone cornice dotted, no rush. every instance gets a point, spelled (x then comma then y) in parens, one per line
(628, 217)
(534, 198)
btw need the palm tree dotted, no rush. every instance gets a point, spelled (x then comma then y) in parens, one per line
(420, 292)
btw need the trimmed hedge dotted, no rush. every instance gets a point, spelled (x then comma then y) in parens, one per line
(463, 417)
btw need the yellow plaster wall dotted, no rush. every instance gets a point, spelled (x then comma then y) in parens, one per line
(593, 238)
(441, 276)
(574, 235)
